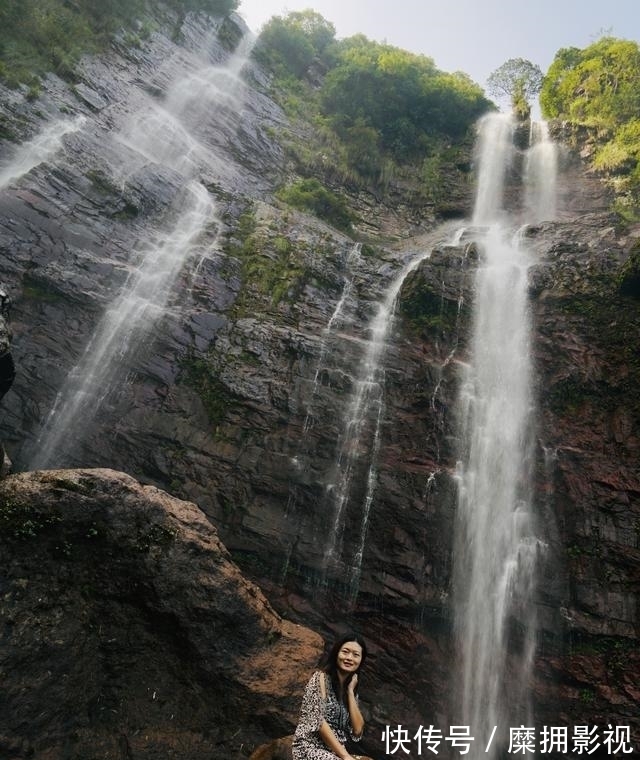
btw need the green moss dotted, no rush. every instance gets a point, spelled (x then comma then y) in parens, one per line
(425, 310)
(575, 551)
(198, 374)
(6, 129)
(277, 275)
(42, 291)
(38, 36)
(629, 275)
(155, 535)
(241, 242)
(310, 195)
(272, 265)
(610, 323)
(102, 182)
(128, 211)
(587, 696)
(229, 34)
(21, 522)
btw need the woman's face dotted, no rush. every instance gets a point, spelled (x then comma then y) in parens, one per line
(349, 657)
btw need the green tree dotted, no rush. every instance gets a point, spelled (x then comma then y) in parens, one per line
(598, 86)
(379, 111)
(310, 195)
(294, 41)
(519, 80)
(400, 95)
(49, 35)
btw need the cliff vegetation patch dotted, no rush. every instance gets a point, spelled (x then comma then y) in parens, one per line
(380, 116)
(310, 195)
(37, 36)
(598, 89)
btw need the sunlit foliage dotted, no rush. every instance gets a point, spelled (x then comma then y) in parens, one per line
(599, 88)
(310, 195)
(292, 43)
(403, 97)
(384, 105)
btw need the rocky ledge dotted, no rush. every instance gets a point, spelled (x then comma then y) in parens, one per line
(128, 631)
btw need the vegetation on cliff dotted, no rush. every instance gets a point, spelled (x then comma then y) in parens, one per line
(37, 36)
(598, 89)
(379, 113)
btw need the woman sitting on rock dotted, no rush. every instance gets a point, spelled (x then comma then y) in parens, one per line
(330, 711)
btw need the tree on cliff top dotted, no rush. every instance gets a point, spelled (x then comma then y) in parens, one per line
(598, 86)
(294, 41)
(519, 80)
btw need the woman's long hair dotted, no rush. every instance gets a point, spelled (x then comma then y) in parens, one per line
(330, 665)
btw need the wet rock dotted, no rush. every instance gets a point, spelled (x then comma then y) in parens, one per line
(238, 397)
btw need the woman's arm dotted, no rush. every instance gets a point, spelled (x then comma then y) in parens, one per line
(329, 738)
(357, 721)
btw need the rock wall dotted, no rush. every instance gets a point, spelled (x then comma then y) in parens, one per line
(238, 397)
(586, 326)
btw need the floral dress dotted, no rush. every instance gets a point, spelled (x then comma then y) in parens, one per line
(307, 744)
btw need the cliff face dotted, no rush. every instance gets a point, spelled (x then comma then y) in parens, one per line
(585, 317)
(237, 394)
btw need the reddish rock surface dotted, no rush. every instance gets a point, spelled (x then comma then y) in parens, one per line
(128, 632)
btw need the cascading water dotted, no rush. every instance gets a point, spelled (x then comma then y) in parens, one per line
(494, 156)
(352, 260)
(142, 301)
(121, 330)
(496, 548)
(361, 434)
(181, 131)
(39, 149)
(540, 174)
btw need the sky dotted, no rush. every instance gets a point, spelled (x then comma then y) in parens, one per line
(474, 36)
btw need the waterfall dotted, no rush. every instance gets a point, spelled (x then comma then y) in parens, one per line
(352, 260)
(179, 132)
(496, 547)
(39, 149)
(163, 134)
(360, 439)
(494, 155)
(122, 330)
(540, 174)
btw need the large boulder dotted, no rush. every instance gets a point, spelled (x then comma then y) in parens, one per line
(128, 631)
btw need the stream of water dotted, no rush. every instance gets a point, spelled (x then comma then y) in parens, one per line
(496, 547)
(39, 149)
(164, 134)
(119, 334)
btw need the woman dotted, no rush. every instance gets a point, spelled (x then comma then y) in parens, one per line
(330, 709)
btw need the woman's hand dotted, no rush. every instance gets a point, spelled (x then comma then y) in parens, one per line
(351, 686)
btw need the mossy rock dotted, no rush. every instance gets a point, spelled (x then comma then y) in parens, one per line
(424, 309)
(216, 398)
(629, 278)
